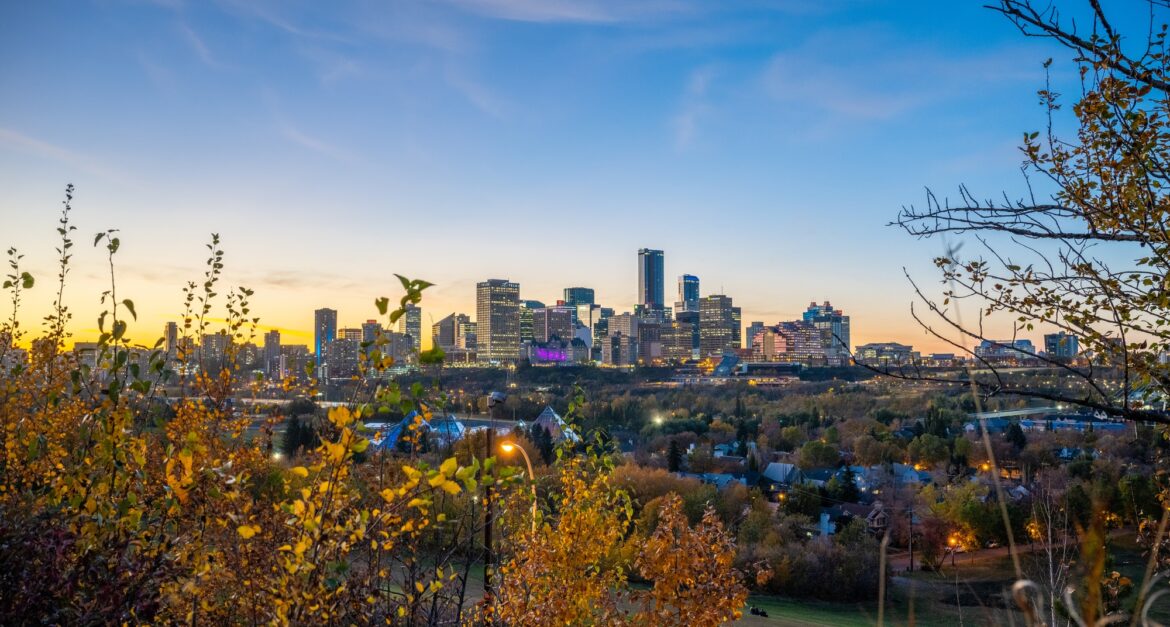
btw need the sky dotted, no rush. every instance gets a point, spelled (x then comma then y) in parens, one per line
(763, 145)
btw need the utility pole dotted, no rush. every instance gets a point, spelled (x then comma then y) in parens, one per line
(911, 535)
(494, 399)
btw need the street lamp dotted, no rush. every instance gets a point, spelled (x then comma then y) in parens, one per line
(507, 448)
(954, 544)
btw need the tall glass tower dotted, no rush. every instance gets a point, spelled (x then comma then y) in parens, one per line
(650, 279)
(688, 293)
(324, 332)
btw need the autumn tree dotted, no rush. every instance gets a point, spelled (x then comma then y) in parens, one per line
(1085, 249)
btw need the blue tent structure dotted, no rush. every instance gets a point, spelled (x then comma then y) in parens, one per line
(445, 429)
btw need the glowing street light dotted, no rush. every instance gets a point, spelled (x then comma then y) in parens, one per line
(507, 448)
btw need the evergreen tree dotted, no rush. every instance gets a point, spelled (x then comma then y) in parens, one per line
(1015, 435)
(674, 457)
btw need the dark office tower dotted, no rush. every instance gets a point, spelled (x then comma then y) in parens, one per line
(443, 333)
(411, 324)
(526, 309)
(650, 286)
(497, 320)
(371, 331)
(272, 353)
(718, 322)
(579, 296)
(324, 332)
(172, 340)
(688, 293)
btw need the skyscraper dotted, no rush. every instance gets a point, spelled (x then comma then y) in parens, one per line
(550, 322)
(324, 332)
(497, 320)
(688, 293)
(172, 340)
(411, 324)
(527, 307)
(650, 279)
(272, 354)
(371, 329)
(834, 326)
(718, 322)
(579, 296)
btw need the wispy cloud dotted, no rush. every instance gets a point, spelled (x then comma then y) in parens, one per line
(40, 148)
(312, 143)
(694, 106)
(272, 14)
(581, 11)
(332, 67)
(861, 74)
(197, 45)
(475, 92)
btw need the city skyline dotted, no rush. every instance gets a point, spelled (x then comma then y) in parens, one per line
(333, 148)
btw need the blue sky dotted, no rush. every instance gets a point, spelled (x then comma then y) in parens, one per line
(763, 145)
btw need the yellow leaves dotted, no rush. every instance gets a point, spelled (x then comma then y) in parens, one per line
(299, 471)
(247, 531)
(450, 487)
(302, 545)
(448, 467)
(178, 474)
(334, 452)
(437, 481)
(341, 417)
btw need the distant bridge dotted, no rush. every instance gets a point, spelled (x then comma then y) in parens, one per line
(1013, 413)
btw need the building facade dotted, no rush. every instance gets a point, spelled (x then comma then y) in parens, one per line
(718, 325)
(411, 324)
(497, 311)
(834, 326)
(324, 332)
(650, 279)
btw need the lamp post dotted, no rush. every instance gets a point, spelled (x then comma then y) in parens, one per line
(508, 447)
(954, 544)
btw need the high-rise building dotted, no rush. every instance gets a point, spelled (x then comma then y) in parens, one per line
(753, 329)
(718, 325)
(550, 322)
(411, 324)
(1061, 345)
(527, 307)
(342, 356)
(272, 354)
(213, 352)
(371, 329)
(172, 340)
(677, 339)
(688, 294)
(465, 333)
(579, 296)
(324, 332)
(497, 320)
(834, 326)
(443, 333)
(650, 279)
(350, 333)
